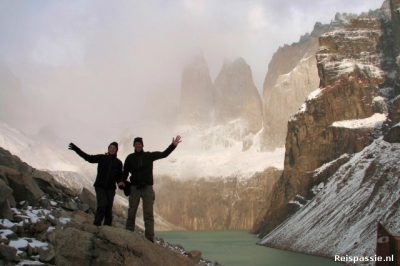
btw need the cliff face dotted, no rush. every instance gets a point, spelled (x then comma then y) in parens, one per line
(197, 93)
(344, 116)
(237, 96)
(292, 75)
(349, 66)
(395, 13)
(288, 92)
(214, 204)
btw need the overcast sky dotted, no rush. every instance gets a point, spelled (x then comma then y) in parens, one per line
(94, 61)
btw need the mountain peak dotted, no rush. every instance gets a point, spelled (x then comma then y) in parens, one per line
(197, 93)
(237, 96)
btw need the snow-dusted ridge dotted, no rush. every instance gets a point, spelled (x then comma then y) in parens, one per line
(214, 152)
(37, 154)
(66, 167)
(362, 192)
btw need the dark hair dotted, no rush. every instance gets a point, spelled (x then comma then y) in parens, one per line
(114, 144)
(138, 139)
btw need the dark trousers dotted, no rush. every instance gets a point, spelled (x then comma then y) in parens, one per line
(105, 199)
(148, 197)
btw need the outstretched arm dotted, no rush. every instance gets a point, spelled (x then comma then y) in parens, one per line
(87, 157)
(159, 155)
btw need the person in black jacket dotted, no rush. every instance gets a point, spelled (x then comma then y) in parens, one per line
(109, 169)
(140, 165)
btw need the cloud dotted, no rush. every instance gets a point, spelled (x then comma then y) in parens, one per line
(95, 61)
(194, 5)
(256, 18)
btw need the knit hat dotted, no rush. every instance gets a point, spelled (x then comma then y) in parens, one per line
(114, 144)
(138, 139)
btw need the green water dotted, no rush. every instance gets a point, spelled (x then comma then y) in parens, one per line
(238, 248)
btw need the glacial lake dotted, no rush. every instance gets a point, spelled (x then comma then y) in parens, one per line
(238, 248)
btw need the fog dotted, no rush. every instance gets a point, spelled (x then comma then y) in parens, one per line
(85, 67)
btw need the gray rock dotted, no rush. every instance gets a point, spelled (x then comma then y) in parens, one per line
(46, 182)
(195, 255)
(46, 253)
(88, 198)
(5, 191)
(52, 219)
(393, 136)
(8, 253)
(83, 207)
(70, 205)
(40, 226)
(5, 210)
(45, 203)
(82, 217)
(13, 203)
(110, 246)
(23, 185)
(69, 192)
(23, 255)
(29, 251)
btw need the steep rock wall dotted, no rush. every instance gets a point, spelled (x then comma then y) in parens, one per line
(237, 96)
(197, 93)
(349, 67)
(214, 204)
(291, 76)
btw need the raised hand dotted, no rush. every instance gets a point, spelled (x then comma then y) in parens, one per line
(73, 147)
(176, 140)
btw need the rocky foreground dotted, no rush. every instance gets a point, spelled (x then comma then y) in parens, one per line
(43, 223)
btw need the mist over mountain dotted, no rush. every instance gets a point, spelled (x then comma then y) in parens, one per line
(197, 93)
(316, 149)
(15, 107)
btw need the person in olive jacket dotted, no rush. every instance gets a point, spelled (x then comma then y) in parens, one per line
(109, 169)
(140, 165)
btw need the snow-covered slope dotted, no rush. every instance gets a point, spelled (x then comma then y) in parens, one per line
(212, 151)
(35, 153)
(68, 168)
(342, 218)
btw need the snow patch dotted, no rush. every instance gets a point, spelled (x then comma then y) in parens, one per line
(375, 121)
(314, 94)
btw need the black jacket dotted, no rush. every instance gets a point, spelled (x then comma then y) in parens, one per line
(109, 169)
(140, 166)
